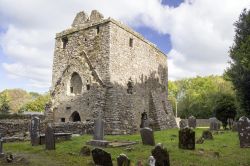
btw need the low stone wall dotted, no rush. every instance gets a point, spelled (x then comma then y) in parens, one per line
(200, 122)
(19, 128)
(74, 127)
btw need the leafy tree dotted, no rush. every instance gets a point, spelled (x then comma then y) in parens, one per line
(197, 96)
(239, 71)
(4, 104)
(225, 109)
(37, 105)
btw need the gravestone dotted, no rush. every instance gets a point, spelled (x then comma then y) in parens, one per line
(99, 129)
(144, 120)
(98, 138)
(207, 135)
(244, 132)
(182, 124)
(161, 155)
(151, 161)
(192, 122)
(85, 151)
(1, 146)
(49, 138)
(101, 157)
(187, 138)
(214, 124)
(123, 160)
(147, 136)
(34, 131)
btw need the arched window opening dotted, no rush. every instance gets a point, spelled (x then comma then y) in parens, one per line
(75, 84)
(75, 117)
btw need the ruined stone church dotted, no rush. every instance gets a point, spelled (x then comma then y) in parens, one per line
(103, 67)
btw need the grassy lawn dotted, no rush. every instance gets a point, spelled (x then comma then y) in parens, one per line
(67, 153)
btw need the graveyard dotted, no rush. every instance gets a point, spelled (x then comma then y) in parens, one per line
(224, 149)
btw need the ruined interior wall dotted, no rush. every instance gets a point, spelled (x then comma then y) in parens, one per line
(91, 65)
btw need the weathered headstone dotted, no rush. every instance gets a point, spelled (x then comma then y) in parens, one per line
(123, 160)
(214, 124)
(147, 136)
(244, 132)
(49, 138)
(144, 120)
(182, 124)
(235, 126)
(207, 135)
(98, 138)
(35, 131)
(192, 122)
(161, 155)
(101, 157)
(99, 129)
(1, 146)
(151, 161)
(186, 138)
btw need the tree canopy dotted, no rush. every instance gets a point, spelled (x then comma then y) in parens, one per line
(239, 70)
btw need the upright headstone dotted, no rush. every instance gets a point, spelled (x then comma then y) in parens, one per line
(98, 137)
(244, 132)
(35, 131)
(182, 124)
(214, 124)
(49, 138)
(161, 155)
(99, 129)
(192, 122)
(1, 146)
(123, 160)
(186, 138)
(144, 120)
(147, 136)
(101, 157)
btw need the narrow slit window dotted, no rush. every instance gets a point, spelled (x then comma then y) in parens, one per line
(71, 89)
(130, 42)
(64, 42)
(97, 29)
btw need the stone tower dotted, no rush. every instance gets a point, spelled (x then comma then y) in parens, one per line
(104, 67)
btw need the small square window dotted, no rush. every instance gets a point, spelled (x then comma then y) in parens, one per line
(88, 87)
(62, 119)
(131, 42)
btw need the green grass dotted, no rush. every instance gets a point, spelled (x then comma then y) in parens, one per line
(66, 153)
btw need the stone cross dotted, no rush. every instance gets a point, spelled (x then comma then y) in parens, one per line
(214, 124)
(161, 155)
(192, 122)
(147, 136)
(101, 157)
(99, 129)
(35, 131)
(1, 146)
(123, 160)
(244, 132)
(144, 120)
(49, 138)
(182, 124)
(186, 138)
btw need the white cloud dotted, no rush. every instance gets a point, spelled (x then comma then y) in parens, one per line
(201, 32)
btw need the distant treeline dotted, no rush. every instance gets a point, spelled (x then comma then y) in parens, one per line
(18, 101)
(200, 96)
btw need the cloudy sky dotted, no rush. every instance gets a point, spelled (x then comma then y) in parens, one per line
(195, 34)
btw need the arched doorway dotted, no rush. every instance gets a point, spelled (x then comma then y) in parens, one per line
(75, 84)
(75, 117)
